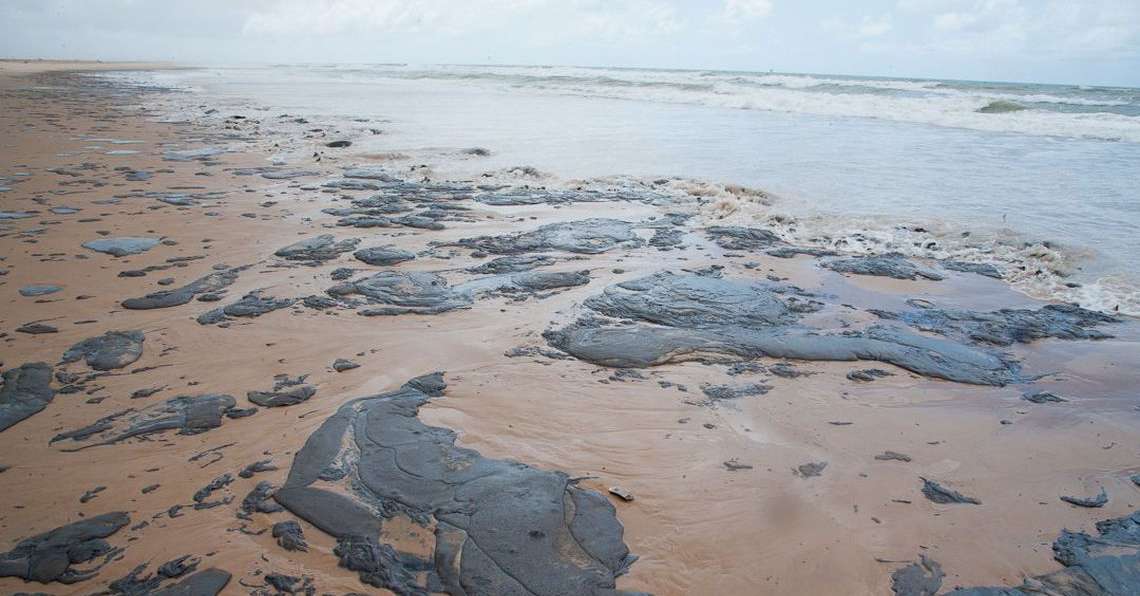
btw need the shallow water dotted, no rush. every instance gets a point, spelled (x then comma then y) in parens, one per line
(1061, 167)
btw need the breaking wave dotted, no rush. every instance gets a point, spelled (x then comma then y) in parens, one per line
(1001, 106)
(1110, 114)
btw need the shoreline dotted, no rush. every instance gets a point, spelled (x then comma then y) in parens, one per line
(36, 66)
(1042, 262)
(552, 413)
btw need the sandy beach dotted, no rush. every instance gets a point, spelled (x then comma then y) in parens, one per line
(774, 410)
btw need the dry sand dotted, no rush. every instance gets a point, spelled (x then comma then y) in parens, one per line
(697, 527)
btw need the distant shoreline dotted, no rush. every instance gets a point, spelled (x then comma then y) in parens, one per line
(25, 66)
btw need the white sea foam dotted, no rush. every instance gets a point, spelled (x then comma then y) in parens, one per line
(1038, 269)
(939, 103)
(1093, 113)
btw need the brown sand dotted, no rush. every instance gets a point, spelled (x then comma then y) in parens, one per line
(698, 528)
(10, 67)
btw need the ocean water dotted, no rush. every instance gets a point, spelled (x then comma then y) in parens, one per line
(1048, 175)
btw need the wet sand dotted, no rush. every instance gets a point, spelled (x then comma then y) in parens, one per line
(697, 525)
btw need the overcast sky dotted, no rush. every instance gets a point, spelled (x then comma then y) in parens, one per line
(1067, 41)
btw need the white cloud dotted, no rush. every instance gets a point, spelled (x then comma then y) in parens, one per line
(1093, 41)
(337, 16)
(929, 6)
(616, 19)
(953, 21)
(866, 28)
(1043, 29)
(874, 27)
(623, 20)
(738, 10)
